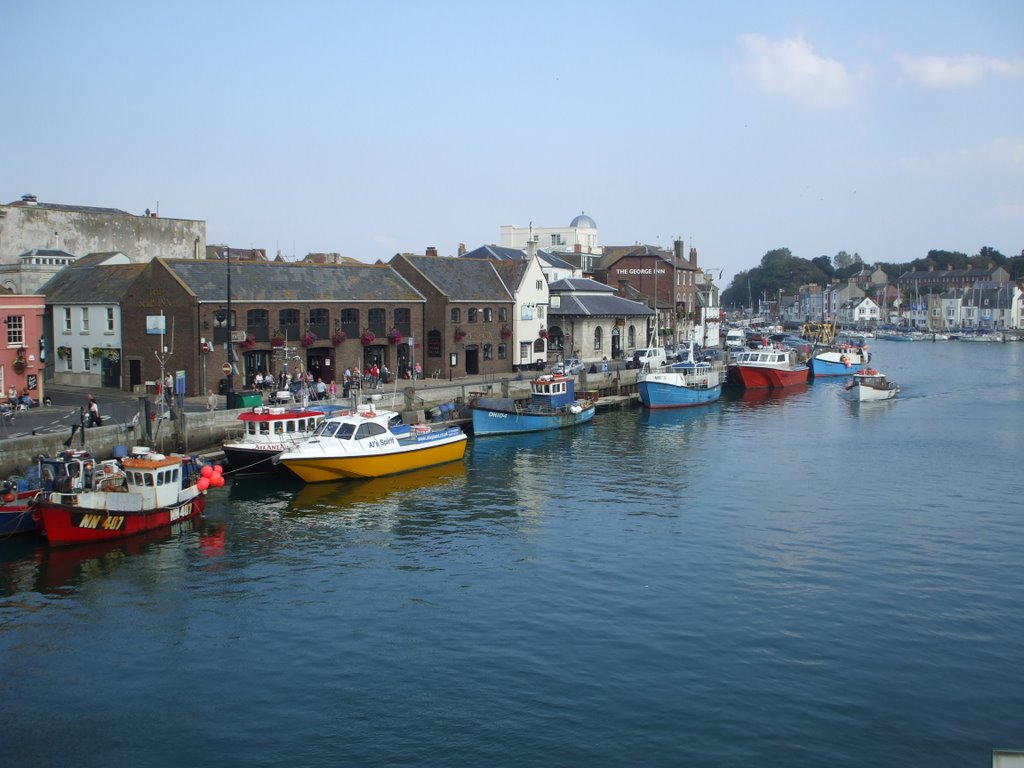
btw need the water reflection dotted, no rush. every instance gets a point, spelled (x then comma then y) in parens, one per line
(28, 564)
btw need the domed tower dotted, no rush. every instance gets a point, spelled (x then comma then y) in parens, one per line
(583, 222)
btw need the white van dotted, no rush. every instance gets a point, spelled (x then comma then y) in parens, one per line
(651, 357)
(736, 338)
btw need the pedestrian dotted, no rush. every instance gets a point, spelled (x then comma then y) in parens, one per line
(211, 400)
(95, 420)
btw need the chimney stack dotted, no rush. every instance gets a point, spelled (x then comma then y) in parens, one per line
(431, 250)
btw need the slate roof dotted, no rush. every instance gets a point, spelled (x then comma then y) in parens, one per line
(582, 297)
(267, 282)
(461, 279)
(46, 252)
(500, 253)
(511, 273)
(99, 285)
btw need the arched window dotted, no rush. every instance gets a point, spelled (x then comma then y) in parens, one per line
(403, 321)
(488, 315)
(472, 314)
(377, 320)
(488, 352)
(598, 338)
(320, 322)
(433, 343)
(350, 322)
(288, 322)
(257, 323)
(456, 315)
(631, 337)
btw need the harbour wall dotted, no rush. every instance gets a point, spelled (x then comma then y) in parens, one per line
(204, 431)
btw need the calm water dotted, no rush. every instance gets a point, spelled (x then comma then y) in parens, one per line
(782, 581)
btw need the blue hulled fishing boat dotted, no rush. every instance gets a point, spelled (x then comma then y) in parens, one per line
(552, 405)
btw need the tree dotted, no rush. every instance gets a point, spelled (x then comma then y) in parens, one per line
(824, 263)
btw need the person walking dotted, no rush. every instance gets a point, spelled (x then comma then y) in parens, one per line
(95, 420)
(211, 400)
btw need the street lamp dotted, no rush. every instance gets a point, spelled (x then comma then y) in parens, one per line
(229, 389)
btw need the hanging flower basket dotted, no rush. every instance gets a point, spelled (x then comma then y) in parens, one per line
(543, 333)
(460, 333)
(249, 343)
(19, 365)
(506, 333)
(114, 356)
(308, 339)
(63, 352)
(96, 352)
(339, 337)
(277, 340)
(368, 337)
(395, 336)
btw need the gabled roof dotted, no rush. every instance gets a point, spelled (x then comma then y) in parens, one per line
(497, 252)
(461, 279)
(511, 273)
(582, 297)
(100, 259)
(267, 282)
(99, 285)
(555, 261)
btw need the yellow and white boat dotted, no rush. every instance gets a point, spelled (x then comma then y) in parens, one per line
(371, 443)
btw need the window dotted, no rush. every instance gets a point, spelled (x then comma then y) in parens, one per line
(540, 311)
(403, 320)
(556, 239)
(526, 312)
(15, 330)
(488, 315)
(433, 343)
(631, 337)
(525, 348)
(257, 323)
(110, 319)
(456, 315)
(502, 351)
(488, 352)
(502, 315)
(85, 319)
(471, 314)
(86, 358)
(67, 319)
(598, 338)
(288, 322)
(377, 320)
(350, 322)
(320, 322)
(539, 284)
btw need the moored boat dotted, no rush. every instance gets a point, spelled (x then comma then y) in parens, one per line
(838, 359)
(552, 405)
(371, 443)
(869, 384)
(100, 500)
(682, 384)
(15, 514)
(267, 431)
(766, 367)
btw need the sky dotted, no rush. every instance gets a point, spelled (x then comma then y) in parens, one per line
(367, 129)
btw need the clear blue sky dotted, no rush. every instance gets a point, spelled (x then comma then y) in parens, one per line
(879, 128)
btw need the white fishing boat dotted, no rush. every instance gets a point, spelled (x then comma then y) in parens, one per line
(869, 384)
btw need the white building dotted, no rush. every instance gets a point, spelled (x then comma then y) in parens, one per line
(578, 241)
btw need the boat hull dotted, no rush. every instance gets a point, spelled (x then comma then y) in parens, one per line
(252, 461)
(492, 421)
(325, 468)
(838, 363)
(16, 516)
(756, 377)
(662, 391)
(67, 525)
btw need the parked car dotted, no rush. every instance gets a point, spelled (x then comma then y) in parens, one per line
(571, 367)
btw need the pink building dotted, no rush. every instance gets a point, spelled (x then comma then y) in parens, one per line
(20, 364)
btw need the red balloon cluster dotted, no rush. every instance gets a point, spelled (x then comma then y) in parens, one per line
(210, 476)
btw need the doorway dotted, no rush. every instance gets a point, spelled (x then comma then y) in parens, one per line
(472, 360)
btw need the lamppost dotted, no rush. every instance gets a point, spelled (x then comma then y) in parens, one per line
(229, 389)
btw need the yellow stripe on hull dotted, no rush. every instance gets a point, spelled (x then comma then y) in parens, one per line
(325, 469)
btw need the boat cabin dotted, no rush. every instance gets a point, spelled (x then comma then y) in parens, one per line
(553, 391)
(267, 422)
(764, 357)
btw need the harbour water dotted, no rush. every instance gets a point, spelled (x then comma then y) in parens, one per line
(775, 580)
